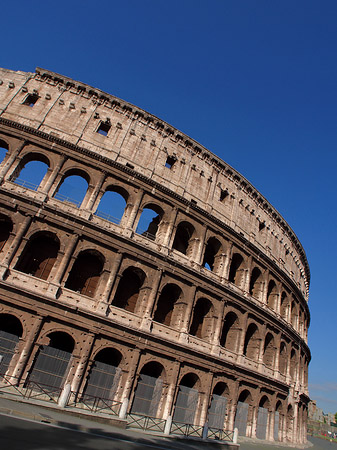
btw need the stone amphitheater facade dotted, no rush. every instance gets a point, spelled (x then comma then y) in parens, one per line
(199, 318)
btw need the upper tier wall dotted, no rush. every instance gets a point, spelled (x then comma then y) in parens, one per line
(73, 112)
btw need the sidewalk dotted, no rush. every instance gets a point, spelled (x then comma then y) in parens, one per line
(99, 425)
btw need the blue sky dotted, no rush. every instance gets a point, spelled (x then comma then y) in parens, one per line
(253, 81)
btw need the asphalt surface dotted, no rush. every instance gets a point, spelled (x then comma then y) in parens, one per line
(34, 427)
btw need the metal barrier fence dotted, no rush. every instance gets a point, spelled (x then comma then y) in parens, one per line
(26, 184)
(96, 404)
(186, 429)
(146, 423)
(221, 435)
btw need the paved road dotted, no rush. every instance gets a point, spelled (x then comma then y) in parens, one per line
(318, 444)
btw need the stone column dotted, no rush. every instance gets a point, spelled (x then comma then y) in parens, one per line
(200, 250)
(170, 228)
(48, 181)
(104, 299)
(218, 327)
(270, 426)
(16, 242)
(5, 169)
(92, 193)
(131, 211)
(184, 329)
(25, 348)
(204, 401)
(231, 407)
(129, 383)
(171, 390)
(82, 363)
(243, 335)
(146, 321)
(60, 270)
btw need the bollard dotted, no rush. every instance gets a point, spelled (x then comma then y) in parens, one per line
(64, 397)
(168, 424)
(124, 407)
(235, 436)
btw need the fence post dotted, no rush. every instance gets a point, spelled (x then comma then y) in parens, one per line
(205, 431)
(64, 397)
(168, 425)
(124, 407)
(235, 436)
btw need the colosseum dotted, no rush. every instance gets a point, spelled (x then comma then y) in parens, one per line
(163, 288)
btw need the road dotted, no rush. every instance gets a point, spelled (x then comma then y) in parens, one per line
(18, 434)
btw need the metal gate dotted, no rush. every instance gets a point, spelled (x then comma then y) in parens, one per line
(102, 381)
(186, 405)
(8, 343)
(241, 418)
(147, 395)
(217, 411)
(262, 420)
(276, 425)
(50, 367)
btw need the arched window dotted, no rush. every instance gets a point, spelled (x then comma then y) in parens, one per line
(256, 284)
(269, 350)
(218, 406)
(85, 273)
(293, 364)
(39, 256)
(201, 325)
(252, 343)
(6, 227)
(211, 255)
(148, 391)
(241, 415)
(283, 359)
(3, 150)
(10, 333)
(277, 427)
(103, 377)
(272, 295)
(149, 221)
(284, 306)
(112, 204)
(128, 289)
(236, 270)
(262, 418)
(166, 302)
(187, 399)
(52, 361)
(230, 333)
(182, 237)
(31, 171)
(73, 188)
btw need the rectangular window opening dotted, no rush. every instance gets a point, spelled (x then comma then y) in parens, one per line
(170, 161)
(104, 128)
(30, 100)
(223, 195)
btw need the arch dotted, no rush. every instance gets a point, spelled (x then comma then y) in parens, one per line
(182, 238)
(212, 250)
(256, 284)
(269, 350)
(6, 227)
(236, 270)
(112, 204)
(187, 399)
(293, 364)
(31, 170)
(73, 187)
(103, 377)
(85, 273)
(39, 255)
(230, 333)
(10, 332)
(52, 361)
(149, 389)
(201, 325)
(166, 302)
(283, 359)
(3, 150)
(272, 295)
(128, 289)
(252, 342)
(218, 406)
(241, 414)
(149, 221)
(262, 418)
